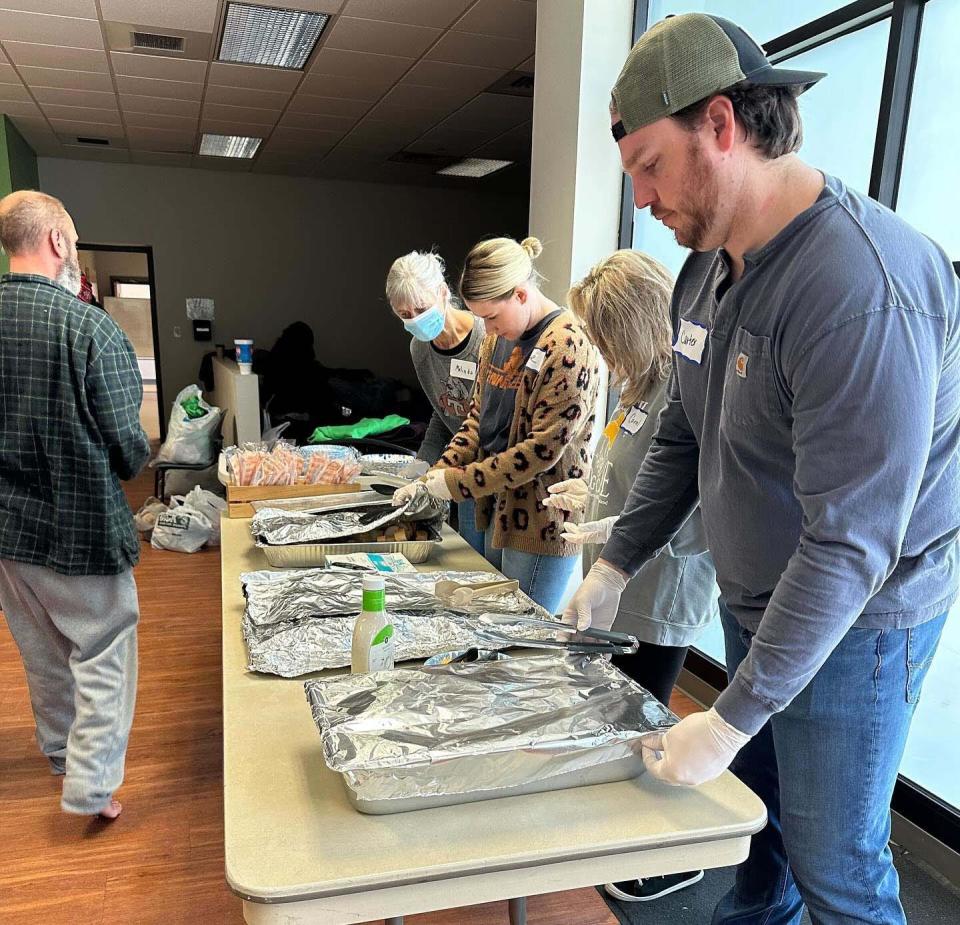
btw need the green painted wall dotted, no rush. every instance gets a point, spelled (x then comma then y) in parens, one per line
(18, 168)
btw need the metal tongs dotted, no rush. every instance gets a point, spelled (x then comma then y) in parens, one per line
(610, 643)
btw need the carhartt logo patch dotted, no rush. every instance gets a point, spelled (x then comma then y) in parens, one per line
(742, 361)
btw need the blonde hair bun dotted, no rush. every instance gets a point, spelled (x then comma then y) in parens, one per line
(532, 246)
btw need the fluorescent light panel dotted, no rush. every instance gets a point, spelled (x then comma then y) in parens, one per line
(263, 35)
(229, 146)
(474, 167)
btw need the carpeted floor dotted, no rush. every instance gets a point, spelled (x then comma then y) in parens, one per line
(926, 899)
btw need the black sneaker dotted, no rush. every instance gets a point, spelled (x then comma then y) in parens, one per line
(650, 888)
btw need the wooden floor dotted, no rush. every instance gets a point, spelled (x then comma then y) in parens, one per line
(162, 861)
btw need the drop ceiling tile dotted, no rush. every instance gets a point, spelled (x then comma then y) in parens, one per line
(513, 145)
(131, 65)
(144, 139)
(44, 144)
(232, 164)
(409, 120)
(296, 138)
(336, 62)
(97, 153)
(8, 75)
(81, 114)
(84, 9)
(192, 15)
(149, 104)
(32, 54)
(439, 13)
(309, 120)
(38, 77)
(249, 114)
(529, 66)
(326, 106)
(381, 38)
(380, 132)
(452, 76)
(247, 96)
(351, 88)
(439, 99)
(61, 96)
(16, 26)
(10, 92)
(457, 142)
(492, 112)
(161, 158)
(248, 75)
(480, 50)
(515, 19)
(36, 130)
(160, 120)
(168, 89)
(67, 128)
(243, 129)
(21, 108)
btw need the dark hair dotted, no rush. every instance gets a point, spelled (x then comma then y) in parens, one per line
(769, 115)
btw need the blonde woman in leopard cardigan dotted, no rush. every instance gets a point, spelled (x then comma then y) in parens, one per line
(529, 423)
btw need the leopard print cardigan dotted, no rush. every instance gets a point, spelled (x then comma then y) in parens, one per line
(549, 441)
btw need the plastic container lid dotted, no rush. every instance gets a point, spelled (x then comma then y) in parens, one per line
(373, 583)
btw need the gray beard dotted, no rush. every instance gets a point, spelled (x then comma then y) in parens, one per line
(69, 277)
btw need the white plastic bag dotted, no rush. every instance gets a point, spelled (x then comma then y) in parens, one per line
(208, 504)
(181, 529)
(146, 517)
(190, 440)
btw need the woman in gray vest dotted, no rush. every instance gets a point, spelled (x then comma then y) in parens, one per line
(624, 302)
(445, 347)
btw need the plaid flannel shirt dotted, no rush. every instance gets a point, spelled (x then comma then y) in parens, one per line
(70, 394)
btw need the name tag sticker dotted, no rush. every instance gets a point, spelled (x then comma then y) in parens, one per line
(691, 339)
(463, 369)
(635, 419)
(537, 357)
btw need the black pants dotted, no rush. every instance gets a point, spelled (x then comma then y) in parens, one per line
(654, 667)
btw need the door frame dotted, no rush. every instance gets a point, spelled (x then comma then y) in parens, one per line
(147, 251)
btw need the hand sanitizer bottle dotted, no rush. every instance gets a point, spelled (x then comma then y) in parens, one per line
(373, 632)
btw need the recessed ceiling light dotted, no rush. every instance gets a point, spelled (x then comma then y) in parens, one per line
(474, 167)
(263, 35)
(229, 146)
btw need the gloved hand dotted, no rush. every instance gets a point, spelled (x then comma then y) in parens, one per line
(570, 495)
(596, 531)
(407, 493)
(436, 483)
(597, 599)
(699, 748)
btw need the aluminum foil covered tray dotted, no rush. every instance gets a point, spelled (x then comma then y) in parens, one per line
(425, 737)
(302, 620)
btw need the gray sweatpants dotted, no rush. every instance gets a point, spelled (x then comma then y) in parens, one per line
(77, 637)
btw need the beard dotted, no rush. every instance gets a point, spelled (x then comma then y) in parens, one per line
(699, 205)
(69, 274)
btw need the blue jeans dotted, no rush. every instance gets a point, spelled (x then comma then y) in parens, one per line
(825, 767)
(467, 524)
(549, 580)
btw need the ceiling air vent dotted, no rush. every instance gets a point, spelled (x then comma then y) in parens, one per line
(156, 42)
(516, 83)
(93, 141)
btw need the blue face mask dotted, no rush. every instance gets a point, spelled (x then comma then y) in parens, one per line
(427, 325)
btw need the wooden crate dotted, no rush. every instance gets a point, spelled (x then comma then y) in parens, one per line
(240, 496)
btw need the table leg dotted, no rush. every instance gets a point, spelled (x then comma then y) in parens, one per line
(518, 911)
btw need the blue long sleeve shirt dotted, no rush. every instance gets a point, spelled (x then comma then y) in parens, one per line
(815, 402)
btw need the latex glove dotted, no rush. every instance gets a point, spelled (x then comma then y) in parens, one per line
(699, 748)
(405, 494)
(597, 599)
(570, 495)
(437, 484)
(596, 531)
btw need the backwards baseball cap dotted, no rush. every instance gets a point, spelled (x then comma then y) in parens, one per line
(687, 58)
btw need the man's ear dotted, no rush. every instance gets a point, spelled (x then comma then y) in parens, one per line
(721, 123)
(58, 241)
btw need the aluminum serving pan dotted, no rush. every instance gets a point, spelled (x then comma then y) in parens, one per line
(313, 555)
(424, 737)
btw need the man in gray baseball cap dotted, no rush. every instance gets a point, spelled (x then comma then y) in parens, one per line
(814, 410)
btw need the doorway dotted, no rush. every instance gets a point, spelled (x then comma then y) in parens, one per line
(121, 282)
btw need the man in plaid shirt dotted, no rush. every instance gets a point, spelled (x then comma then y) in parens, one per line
(70, 395)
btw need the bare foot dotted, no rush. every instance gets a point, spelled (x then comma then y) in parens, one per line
(111, 811)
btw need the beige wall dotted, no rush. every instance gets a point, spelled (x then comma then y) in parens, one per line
(117, 263)
(272, 250)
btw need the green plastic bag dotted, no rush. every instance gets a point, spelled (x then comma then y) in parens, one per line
(366, 427)
(193, 408)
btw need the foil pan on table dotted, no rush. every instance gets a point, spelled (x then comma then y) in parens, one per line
(386, 463)
(301, 621)
(424, 737)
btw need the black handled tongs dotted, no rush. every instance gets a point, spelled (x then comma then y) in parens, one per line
(574, 641)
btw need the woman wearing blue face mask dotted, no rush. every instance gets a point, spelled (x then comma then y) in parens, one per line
(445, 346)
